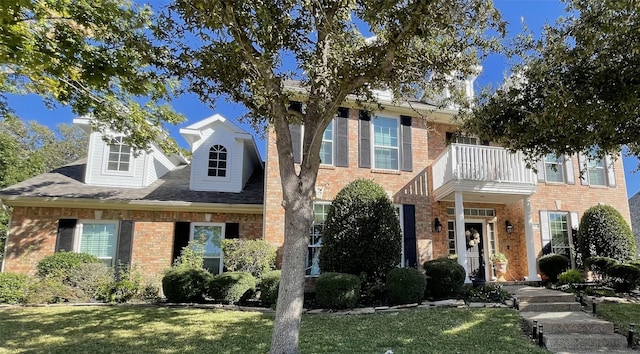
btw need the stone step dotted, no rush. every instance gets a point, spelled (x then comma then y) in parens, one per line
(544, 296)
(584, 342)
(567, 322)
(549, 306)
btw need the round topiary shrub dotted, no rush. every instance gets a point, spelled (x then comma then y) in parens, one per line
(13, 288)
(623, 278)
(445, 278)
(405, 286)
(185, 284)
(599, 265)
(361, 233)
(269, 284)
(551, 265)
(231, 287)
(337, 290)
(61, 263)
(604, 232)
(571, 276)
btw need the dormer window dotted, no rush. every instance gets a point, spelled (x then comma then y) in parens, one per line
(217, 161)
(119, 156)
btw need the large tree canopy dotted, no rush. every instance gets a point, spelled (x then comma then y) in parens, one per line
(93, 55)
(576, 87)
(247, 50)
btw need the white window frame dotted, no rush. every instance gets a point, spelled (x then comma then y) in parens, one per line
(396, 148)
(569, 225)
(222, 229)
(218, 169)
(107, 157)
(596, 165)
(559, 162)
(329, 141)
(78, 237)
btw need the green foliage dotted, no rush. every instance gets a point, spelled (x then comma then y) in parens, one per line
(269, 284)
(60, 264)
(250, 256)
(362, 233)
(191, 255)
(337, 290)
(405, 286)
(51, 290)
(498, 258)
(487, 293)
(231, 287)
(90, 279)
(604, 232)
(127, 285)
(185, 284)
(445, 278)
(576, 60)
(13, 288)
(599, 265)
(623, 278)
(571, 276)
(551, 265)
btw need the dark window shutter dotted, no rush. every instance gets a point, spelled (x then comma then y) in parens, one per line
(64, 241)
(342, 141)
(180, 237)
(410, 249)
(407, 156)
(125, 242)
(231, 230)
(296, 142)
(449, 138)
(364, 147)
(295, 106)
(541, 170)
(343, 112)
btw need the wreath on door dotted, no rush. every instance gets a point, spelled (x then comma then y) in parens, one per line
(473, 238)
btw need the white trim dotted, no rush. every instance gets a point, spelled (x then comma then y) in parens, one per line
(332, 141)
(227, 170)
(192, 227)
(397, 148)
(105, 159)
(78, 230)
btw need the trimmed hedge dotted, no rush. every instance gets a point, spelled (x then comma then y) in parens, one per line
(623, 278)
(552, 265)
(185, 284)
(269, 284)
(571, 276)
(13, 288)
(599, 265)
(445, 278)
(604, 232)
(337, 290)
(231, 287)
(405, 286)
(60, 263)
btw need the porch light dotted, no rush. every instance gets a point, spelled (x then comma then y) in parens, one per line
(437, 226)
(508, 226)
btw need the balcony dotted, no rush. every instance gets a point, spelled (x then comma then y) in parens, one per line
(484, 174)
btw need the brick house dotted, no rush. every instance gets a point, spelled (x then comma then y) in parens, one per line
(140, 208)
(454, 194)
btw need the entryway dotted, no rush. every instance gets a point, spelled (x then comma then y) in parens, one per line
(476, 266)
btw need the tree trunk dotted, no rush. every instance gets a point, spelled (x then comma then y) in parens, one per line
(298, 218)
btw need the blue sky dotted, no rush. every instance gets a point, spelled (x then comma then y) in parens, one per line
(534, 13)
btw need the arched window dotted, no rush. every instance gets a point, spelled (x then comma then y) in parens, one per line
(217, 161)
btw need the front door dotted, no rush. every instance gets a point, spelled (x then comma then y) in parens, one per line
(475, 251)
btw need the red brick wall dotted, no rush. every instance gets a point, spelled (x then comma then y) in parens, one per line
(33, 232)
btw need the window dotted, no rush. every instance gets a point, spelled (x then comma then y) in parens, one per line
(217, 161)
(559, 241)
(119, 156)
(211, 234)
(473, 212)
(596, 172)
(385, 143)
(320, 211)
(326, 150)
(451, 235)
(98, 238)
(553, 167)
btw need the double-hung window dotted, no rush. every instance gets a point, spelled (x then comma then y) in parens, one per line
(385, 143)
(320, 212)
(559, 231)
(553, 168)
(326, 150)
(210, 235)
(596, 171)
(119, 159)
(98, 238)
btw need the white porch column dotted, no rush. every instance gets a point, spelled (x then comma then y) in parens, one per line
(461, 238)
(531, 248)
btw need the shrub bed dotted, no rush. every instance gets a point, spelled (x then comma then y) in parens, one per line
(405, 286)
(61, 263)
(445, 278)
(269, 284)
(231, 287)
(337, 290)
(185, 284)
(623, 278)
(13, 288)
(552, 265)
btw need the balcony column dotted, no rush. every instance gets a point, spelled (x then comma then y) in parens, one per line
(531, 247)
(461, 238)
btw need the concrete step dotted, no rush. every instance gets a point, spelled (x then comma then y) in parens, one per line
(583, 342)
(567, 322)
(546, 296)
(549, 306)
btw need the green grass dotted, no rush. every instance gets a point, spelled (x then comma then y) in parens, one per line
(133, 329)
(621, 315)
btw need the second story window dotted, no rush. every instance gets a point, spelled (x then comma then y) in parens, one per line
(217, 161)
(385, 143)
(553, 167)
(119, 156)
(596, 171)
(326, 150)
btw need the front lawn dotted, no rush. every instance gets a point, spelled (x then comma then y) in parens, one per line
(135, 329)
(621, 315)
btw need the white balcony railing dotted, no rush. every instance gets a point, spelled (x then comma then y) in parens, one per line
(461, 162)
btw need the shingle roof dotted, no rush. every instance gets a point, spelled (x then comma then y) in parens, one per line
(67, 182)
